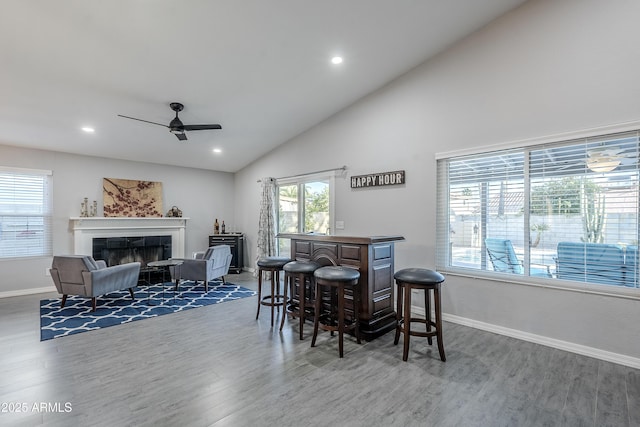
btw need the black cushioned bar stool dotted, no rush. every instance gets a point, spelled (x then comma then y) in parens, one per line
(273, 265)
(336, 279)
(298, 275)
(426, 280)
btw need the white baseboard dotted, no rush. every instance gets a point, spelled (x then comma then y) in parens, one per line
(31, 291)
(583, 350)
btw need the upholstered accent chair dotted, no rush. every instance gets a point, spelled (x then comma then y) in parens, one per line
(205, 266)
(82, 275)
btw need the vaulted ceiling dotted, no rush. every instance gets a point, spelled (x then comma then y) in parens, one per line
(261, 69)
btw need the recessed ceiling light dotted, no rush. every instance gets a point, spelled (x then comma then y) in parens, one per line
(336, 60)
(88, 129)
(217, 150)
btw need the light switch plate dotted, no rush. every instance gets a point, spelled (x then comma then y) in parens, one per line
(339, 225)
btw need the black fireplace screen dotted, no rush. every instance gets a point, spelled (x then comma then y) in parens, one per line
(121, 250)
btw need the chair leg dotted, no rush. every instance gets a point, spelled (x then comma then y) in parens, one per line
(64, 300)
(398, 314)
(341, 320)
(277, 289)
(316, 317)
(333, 296)
(131, 292)
(223, 281)
(259, 292)
(427, 313)
(302, 300)
(284, 311)
(273, 296)
(407, 323)
(356, 313)
(438, 308)
(93, 304)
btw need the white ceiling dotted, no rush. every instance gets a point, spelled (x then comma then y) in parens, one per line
(259, 68)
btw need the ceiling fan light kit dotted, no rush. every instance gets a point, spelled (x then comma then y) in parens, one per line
(603, 165)
(176, 126)
(604, 159)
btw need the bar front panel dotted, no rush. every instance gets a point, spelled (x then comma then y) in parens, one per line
(374, 261)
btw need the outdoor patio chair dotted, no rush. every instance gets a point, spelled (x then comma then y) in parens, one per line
(504, 259)
(593, 262)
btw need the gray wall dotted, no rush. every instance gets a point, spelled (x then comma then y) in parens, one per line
(201, 195)
(546, 68)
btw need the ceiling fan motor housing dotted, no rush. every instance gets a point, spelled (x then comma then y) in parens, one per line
(176, 125)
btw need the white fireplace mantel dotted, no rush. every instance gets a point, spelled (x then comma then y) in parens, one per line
(85, 229)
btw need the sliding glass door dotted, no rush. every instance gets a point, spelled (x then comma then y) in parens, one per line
(303, 207)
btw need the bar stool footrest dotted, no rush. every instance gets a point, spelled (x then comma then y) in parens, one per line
(276, 300)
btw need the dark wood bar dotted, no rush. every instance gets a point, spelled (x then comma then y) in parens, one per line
(372, 256)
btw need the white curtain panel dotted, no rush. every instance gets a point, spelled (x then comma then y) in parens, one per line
(267, 222)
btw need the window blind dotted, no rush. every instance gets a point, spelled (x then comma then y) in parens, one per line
(566, 210)
(25, 213)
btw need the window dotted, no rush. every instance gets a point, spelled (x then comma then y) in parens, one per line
(304, 206)
(562, 211)
(25, 213)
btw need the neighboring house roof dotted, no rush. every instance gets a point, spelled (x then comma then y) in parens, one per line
(623, 200)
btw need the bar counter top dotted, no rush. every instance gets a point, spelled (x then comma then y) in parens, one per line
(357, 240)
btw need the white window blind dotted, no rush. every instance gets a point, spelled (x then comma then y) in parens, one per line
(25, 213)
(565, 211)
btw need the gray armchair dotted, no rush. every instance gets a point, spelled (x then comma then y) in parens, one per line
(82, 275)
(204, 266)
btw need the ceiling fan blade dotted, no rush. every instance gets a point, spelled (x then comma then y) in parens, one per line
(201, 127)
(181, 136)
(140, 120)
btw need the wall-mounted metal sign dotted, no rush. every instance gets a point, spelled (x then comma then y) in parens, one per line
(377, 179)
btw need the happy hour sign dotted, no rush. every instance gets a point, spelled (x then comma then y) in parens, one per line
(377, 179)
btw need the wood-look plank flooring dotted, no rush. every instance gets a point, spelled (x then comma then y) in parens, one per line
(218, 366)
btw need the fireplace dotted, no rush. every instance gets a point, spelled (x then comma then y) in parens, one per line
(129, 239)
(121, 250)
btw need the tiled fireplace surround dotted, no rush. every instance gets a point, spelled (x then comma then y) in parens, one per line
(85, 229)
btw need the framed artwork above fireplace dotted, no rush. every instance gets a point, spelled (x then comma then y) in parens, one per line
(131, 198)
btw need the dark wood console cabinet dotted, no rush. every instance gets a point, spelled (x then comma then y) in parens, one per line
(373, 257)
(236, 242)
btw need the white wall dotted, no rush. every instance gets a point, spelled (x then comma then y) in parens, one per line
(545, 68)
(201, 195)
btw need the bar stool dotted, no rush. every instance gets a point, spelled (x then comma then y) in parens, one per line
(275, 299)
(421, 279)
(299, 273)
(336, 279)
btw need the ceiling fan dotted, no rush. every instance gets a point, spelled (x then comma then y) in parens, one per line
(176, 126)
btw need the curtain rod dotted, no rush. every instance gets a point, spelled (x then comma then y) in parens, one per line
(343, 168)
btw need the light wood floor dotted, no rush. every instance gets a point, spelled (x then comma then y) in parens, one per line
(218, 366)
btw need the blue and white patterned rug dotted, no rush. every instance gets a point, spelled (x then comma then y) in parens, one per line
(117, 307)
